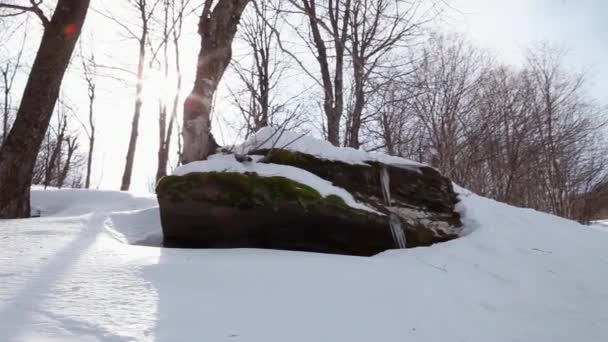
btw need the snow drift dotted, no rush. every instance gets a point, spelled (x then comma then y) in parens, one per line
(519, 275)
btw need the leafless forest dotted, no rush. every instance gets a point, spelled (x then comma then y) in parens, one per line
(375, 75)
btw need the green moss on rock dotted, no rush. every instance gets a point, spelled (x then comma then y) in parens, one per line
(336, 200)
(424, 187)
(245, 191)
(301, 160)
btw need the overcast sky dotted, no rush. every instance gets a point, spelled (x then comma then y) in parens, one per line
(507, 26)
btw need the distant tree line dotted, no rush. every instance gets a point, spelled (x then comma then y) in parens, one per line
(60, 161)
(528, 136)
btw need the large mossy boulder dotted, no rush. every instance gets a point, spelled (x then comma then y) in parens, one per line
(232, 210)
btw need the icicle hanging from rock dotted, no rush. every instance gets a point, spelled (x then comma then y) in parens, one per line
(394, 220)
(385, 180)
(397, 230)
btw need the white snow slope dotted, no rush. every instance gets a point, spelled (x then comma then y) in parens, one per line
(519, 275)
(600, 225)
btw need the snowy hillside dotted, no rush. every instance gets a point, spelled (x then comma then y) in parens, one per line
(519, 275)
(600, 225)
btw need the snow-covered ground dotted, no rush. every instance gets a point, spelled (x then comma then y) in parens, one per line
(519, 275)
(600, 225)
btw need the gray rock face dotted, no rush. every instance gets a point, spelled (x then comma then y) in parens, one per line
(421, 197)
(414, 207)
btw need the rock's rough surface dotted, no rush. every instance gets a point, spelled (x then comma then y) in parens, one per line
(231, 210)
(420, 196)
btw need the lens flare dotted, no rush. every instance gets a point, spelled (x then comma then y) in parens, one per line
(70, 30)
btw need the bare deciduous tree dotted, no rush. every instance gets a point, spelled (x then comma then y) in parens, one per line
(58, 163)
(377, 28)
(527, 136)
(261, 98)
(89, 73)
(447, 83)
(18, 153)
(8, 71)
(217, 28)
(259, 77)
(328, 22)
(173, 19)
(145, 10)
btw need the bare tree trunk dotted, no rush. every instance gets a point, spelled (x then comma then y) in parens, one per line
(217, 29)
(377, 28)
(145, 12)
(18, 153)
(166, 130)
(340, 34)
(130, 159)
(6, 113)
(87, 183)
(175, 105)
(161, 169)
(332, 18)
(89, 67)
(163, 157)
(357, 112)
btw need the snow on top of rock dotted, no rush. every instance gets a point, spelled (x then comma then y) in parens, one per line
(269, 137)
(227, 163)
